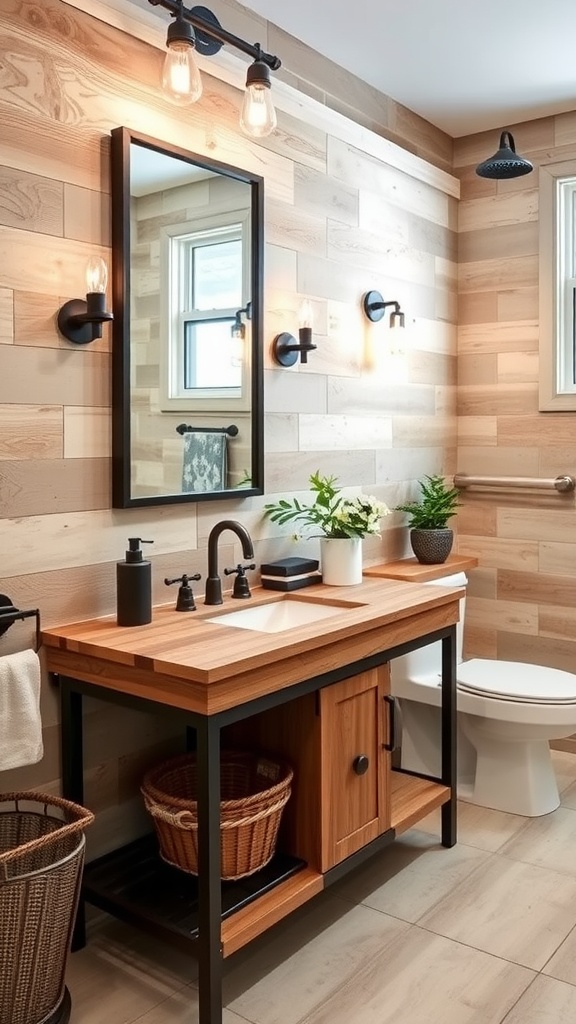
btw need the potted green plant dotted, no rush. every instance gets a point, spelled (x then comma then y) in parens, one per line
(430, 538)
(340, 522)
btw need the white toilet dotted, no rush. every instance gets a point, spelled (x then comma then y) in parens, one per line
(507, 713)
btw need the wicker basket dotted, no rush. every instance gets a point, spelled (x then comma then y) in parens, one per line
(41, 859)
(254, 790)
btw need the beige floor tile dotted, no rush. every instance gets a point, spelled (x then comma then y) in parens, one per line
(508, 908)
(122, 973)
(546, 1002)
(479, 826)
(426, 979)
(182, 1008)
(568, 796)
(563, 964)
(548, 841)
(293, 969)
(410, 876)
(565, 768)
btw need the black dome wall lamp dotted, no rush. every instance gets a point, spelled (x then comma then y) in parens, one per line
(81, 321)
(374, 308)
(197, 28)
(285, 349)
(505, 163)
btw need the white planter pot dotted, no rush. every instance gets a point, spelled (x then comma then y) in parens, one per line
(341, 561)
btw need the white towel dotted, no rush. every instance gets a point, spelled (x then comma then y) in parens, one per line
(20, 722)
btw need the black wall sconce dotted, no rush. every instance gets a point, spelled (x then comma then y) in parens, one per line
(285, 349)
(238, 329)
(505, 163)
(374, 308)
(197, 28)
(79, 320)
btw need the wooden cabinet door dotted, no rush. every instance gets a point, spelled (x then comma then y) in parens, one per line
(355, 766)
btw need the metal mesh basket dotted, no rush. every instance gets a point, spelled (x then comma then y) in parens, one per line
(41, 857)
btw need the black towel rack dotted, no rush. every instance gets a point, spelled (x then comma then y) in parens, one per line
(184, 428)
(9, 614)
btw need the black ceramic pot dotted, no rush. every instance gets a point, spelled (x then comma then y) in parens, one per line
(431, 547)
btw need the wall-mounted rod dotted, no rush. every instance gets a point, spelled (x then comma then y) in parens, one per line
(563, 484)
(184, 428)
(10, 614)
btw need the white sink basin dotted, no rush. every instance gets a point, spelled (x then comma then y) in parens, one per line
(279, 615)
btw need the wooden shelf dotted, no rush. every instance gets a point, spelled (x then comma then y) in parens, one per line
(136, 885)
(409, 570)
(413, 798)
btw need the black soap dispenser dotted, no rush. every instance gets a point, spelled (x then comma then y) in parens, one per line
(134, 586)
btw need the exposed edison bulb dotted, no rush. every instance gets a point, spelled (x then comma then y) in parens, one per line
(258, 117)
(181, 81)
(305, 315)
(96, 275)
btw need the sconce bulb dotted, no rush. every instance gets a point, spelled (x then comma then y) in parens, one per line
(258, 117)
(181, 81)
(305, 316)
(96, 275)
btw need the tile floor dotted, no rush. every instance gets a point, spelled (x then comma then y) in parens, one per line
(484, 933)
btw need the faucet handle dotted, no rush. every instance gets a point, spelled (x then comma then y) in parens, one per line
(241, 588)
(185, 599)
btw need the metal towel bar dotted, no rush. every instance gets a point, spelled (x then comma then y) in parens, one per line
(9, 614)
(562, 484)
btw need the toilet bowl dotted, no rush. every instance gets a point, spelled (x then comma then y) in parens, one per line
(507, 714)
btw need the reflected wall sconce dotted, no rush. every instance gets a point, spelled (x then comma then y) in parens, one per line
(197, 28)
(285, 349)
(238, 329)
(79, 320)
(374, 308)
(505, 163)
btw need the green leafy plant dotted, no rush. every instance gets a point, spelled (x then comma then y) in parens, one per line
(332, 514)
(436, 506)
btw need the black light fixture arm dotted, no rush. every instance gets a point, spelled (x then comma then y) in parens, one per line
(196, 16)
(374, 306)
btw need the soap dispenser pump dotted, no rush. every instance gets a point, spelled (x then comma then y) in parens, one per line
(134, 586)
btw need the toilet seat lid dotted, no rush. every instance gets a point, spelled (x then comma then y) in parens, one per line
(516, 681)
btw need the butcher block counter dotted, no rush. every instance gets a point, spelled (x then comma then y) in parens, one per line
(316, 693)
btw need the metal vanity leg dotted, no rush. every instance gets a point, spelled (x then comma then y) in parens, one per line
(72, 751)
(209, 885)
(449, 735)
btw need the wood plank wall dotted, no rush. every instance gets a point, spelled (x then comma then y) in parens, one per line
(338, 222)
(522, 604)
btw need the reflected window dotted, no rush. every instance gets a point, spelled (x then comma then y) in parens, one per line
(557, 287)
(208, 274)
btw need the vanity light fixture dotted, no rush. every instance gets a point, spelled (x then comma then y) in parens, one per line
(505, 163)
(79, 320)
(285, 348)
(374, 307)
(197, 28)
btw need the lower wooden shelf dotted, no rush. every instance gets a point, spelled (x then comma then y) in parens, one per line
(412, 798)
(133, 883)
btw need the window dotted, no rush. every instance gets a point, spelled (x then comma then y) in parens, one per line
(204, 284)
(557, 215)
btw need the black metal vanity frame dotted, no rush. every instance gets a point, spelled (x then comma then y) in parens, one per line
(207, 946)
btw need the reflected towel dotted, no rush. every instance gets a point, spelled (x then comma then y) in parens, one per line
(20, 722)
(204, 463)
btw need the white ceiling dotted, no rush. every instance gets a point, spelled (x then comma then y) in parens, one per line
(465, 66)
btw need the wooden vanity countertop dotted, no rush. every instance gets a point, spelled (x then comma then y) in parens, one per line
(191, 663)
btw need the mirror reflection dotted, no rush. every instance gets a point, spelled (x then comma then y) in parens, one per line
(190, 240)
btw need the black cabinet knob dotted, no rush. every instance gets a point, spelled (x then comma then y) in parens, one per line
(360, 764)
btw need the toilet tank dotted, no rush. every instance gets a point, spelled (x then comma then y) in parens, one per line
(426, 662)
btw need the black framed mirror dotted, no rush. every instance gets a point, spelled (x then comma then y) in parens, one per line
(187, 376)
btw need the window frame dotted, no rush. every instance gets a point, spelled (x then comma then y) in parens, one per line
(556, 362)
(172, 318)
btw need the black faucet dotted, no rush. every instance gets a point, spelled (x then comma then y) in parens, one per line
(213, 583)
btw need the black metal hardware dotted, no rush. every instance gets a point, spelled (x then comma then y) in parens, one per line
(10, 614)
(391, 702)
(360, 764)
(241, 588)
(210, 36)
(213, 593)
(285, 348)
(374, 308)
(187, 428)
(185, 599)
